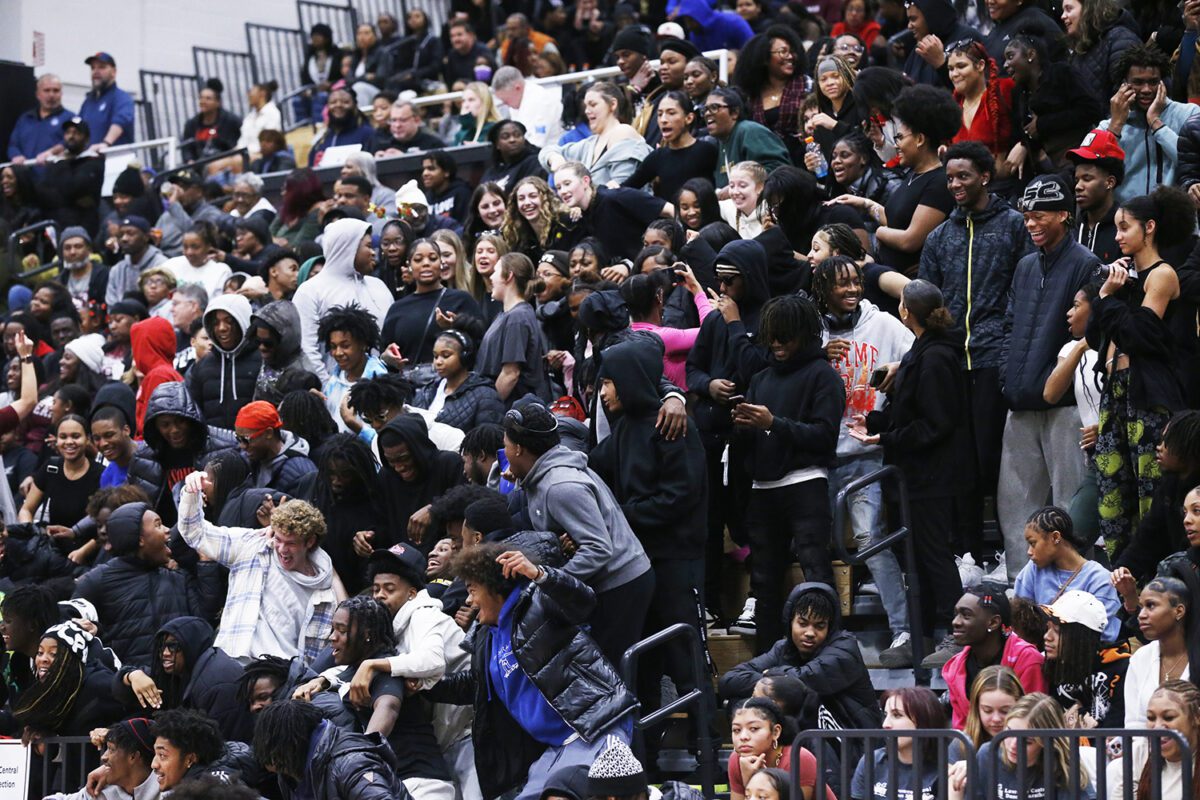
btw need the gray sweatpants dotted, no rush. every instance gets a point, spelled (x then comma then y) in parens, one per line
(1040, 464)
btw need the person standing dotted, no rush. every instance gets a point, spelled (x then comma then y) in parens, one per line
(108, 110)
(1099, 169)
(1038, 460)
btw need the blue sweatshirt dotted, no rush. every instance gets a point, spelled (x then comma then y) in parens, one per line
(514, 688)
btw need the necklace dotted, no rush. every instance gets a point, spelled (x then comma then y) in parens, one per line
(1174, 664)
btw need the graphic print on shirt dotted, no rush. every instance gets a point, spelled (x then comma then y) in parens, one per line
(508, 663)
(855, 369)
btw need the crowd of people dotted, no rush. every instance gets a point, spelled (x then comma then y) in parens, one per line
(364, 491)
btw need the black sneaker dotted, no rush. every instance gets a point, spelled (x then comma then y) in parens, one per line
(744, 624)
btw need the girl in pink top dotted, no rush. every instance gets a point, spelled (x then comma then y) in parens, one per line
(645, 294)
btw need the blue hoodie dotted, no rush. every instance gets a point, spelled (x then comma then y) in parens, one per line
(1150, 158)
(718, 29)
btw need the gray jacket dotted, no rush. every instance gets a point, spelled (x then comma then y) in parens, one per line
(564, 496)
(123, 277)
(148, 790)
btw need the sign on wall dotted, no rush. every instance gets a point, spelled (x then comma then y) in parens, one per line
(39, 49)
(14, 768)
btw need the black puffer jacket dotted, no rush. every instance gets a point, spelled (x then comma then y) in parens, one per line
(473, 403)
(836, 672)
(1035, 326)
(1095, 67)
(133, 600)
(343, 765)
(158, 465)
(209, 683)
(563, 663)
(29, 556)
(224, 380)
(1187, 169)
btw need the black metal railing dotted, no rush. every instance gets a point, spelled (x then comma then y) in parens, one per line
(240, 152)
(279, 53)
(173, 100)
(848, 746)
(899, 535)
(143, 123)
(342, 19)
(438, 12)
(694, 701)
(369, 11)
(65, 763)
(44, 247)
(236, 70)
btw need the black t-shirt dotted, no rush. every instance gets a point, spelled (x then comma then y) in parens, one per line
(515, 337)
(65, 500)
(411, 325)
(412, 738)
(618, 218)
(926, 189)
(673, 167)
(882, 300)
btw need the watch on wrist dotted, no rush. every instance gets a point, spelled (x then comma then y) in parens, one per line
(27, 359)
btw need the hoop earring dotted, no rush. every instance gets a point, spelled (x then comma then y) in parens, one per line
(775, 743)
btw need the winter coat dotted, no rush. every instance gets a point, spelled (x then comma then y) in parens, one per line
(727, 350)
(133, 600)
(1151, 157)
(1160, 531)
(473, 403)
(923, 428)
(1029, 19)
(976, 288)
(31, 557)
(943, 23)
(437, 471)
(1035, 325)
(718, 29)
(287, 359)
(662, 485)
(1147, 339)
(1066, 109)
(563, 496)
(153, 344)
(343, 765)
(835, 672)
(1188, 147)
(286, 472)
(209, 684)
(1095, 66)
(1018, 655)
(561, 660)
(338, 284)
(807, 398)
(223, 381)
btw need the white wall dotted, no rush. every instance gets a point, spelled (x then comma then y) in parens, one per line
(140, 34)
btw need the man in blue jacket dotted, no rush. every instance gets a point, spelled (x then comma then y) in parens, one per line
(1040, 463)
(38, 132)
(107, 109)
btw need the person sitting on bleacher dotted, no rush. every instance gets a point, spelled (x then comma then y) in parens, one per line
(818, 652)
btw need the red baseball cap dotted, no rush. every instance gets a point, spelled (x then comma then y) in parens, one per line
(1096, 146)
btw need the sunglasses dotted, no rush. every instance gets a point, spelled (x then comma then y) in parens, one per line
(245, 440)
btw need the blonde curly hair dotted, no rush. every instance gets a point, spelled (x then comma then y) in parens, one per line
(299, 518)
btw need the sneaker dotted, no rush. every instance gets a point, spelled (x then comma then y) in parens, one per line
(899, 655)
(945, 651)
(1000, 573)
(744, 624)
(869, 588)
(712, 621)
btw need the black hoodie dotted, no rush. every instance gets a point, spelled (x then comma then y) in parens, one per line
(835, 672)
(807, 397)
(209, 683)
(942, 20)
(662, 486)
(727, 350)
(437, 471)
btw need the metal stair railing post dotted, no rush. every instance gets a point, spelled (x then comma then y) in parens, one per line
(44, 247)
(342, 19)
(165, 176)
(73, 749)
(237, 71)
(172, 96)
(279, 56)
(694, 700)
(903, 533)
(942, 739)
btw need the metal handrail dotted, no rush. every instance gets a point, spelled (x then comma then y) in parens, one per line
(943, 738)
(900, 534)
(68, 743)
(693, 698)
(14, 248)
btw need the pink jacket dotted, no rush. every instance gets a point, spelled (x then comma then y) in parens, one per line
(1019, 655)
(677, 342)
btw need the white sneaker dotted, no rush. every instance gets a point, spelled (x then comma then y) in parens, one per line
(868, 588)
(1000, 573)
(744, 624)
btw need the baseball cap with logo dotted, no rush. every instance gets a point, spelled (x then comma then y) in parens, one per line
(102, 57)
(403, 560)
(1098, 145)
(185, 177)
(670, 30)
(1081, 607)
(1048, 193)
(77, 122)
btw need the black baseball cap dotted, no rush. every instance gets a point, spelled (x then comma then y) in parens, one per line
(185, 177)
(400, 559)
(77, 122)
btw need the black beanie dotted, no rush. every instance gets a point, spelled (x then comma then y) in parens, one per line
(488, 515)
(681, 46)
(635, 38)
(616, 773)
(125, 528)
(129, 182)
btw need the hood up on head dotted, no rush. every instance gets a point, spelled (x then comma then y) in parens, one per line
(636, 370)
(412, 430)
(340, 243)
(281, 317)
(153, 344)
(750, 258)
(173, 398)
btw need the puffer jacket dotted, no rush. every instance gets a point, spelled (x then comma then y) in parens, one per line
(563, 663)
(343, 765)
(1035, 325)
(209, 684)
(976, 288)
(1187, 170)
(133, 600)
(147, 468)
(281, 317)
(31, 557)
(836, 672)
(1095, 66)
(286, 472)
(473, 403)
(153, 344)
(224, 380)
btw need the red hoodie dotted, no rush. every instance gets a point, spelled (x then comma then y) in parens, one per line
(153, 343)
(1019, 656)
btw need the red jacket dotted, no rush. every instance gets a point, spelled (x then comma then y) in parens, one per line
(1019, 655)
(153, 343)
(984, 129)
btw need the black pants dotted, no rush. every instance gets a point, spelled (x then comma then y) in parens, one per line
(678, 597)
(726, 507)
(987, 412)
(932, 530)
(791, 523)
(620, 616)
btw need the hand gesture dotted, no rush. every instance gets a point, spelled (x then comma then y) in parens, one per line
(391, 356)
(514, 563)
(857, 428)
(823, 120)
(1123, 581)
(265, 508)
(930, 49)
(749, 415)
(59, 533)
(305, 691)
(362, 543)
(837, 349)
(196, 482)
(1119, 105)
(721, 390)
(444, 319)
(97, 736)
(726, 305)
(419, 523)
(144, 689)
(643, 77)
(24, 345)
(1155, 110)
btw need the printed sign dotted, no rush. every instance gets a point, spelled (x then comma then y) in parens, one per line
(14, 768)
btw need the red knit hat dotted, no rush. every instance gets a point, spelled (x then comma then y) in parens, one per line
(258, 416)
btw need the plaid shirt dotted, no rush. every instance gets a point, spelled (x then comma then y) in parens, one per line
(790, 103)
(248, 555)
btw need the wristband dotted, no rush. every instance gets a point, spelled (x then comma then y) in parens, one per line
(27, 359)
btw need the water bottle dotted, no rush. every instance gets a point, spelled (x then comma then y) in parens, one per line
(822, 165)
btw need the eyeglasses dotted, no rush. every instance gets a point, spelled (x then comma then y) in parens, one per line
(847, 47)
(265, 342)
(245, 440)
(380, 418)
(783, 52)
(900, 137)
(713, 108)
(727, 278)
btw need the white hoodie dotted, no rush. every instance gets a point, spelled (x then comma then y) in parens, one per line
(338, 284)
(877, 338)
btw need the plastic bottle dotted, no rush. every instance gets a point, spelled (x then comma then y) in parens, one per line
(811, 146)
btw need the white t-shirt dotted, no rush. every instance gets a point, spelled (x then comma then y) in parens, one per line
(211, 276)
(1087, 392)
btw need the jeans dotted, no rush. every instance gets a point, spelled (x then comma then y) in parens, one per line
(865, 506)
(460, 758)
(787, 524)
(574, 753)
(309, 107)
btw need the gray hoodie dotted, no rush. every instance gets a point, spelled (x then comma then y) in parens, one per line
(280, 316)
(564, 496)
(338, 284)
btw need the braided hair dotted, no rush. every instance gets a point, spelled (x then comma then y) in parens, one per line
(974, 50)
(825, 278)
(370, 629)
(1049, 519)
(273, 668)
(1188, 695)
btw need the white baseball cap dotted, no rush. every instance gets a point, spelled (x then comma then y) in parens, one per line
(1078, 606)
(670, 30)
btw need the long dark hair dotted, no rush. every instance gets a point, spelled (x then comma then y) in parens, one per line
(750, 74)
(45, 704)
(229, 471)
(1078, 647)
(301, 191)
(354, 451)
(706, 196)
(795, 197)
